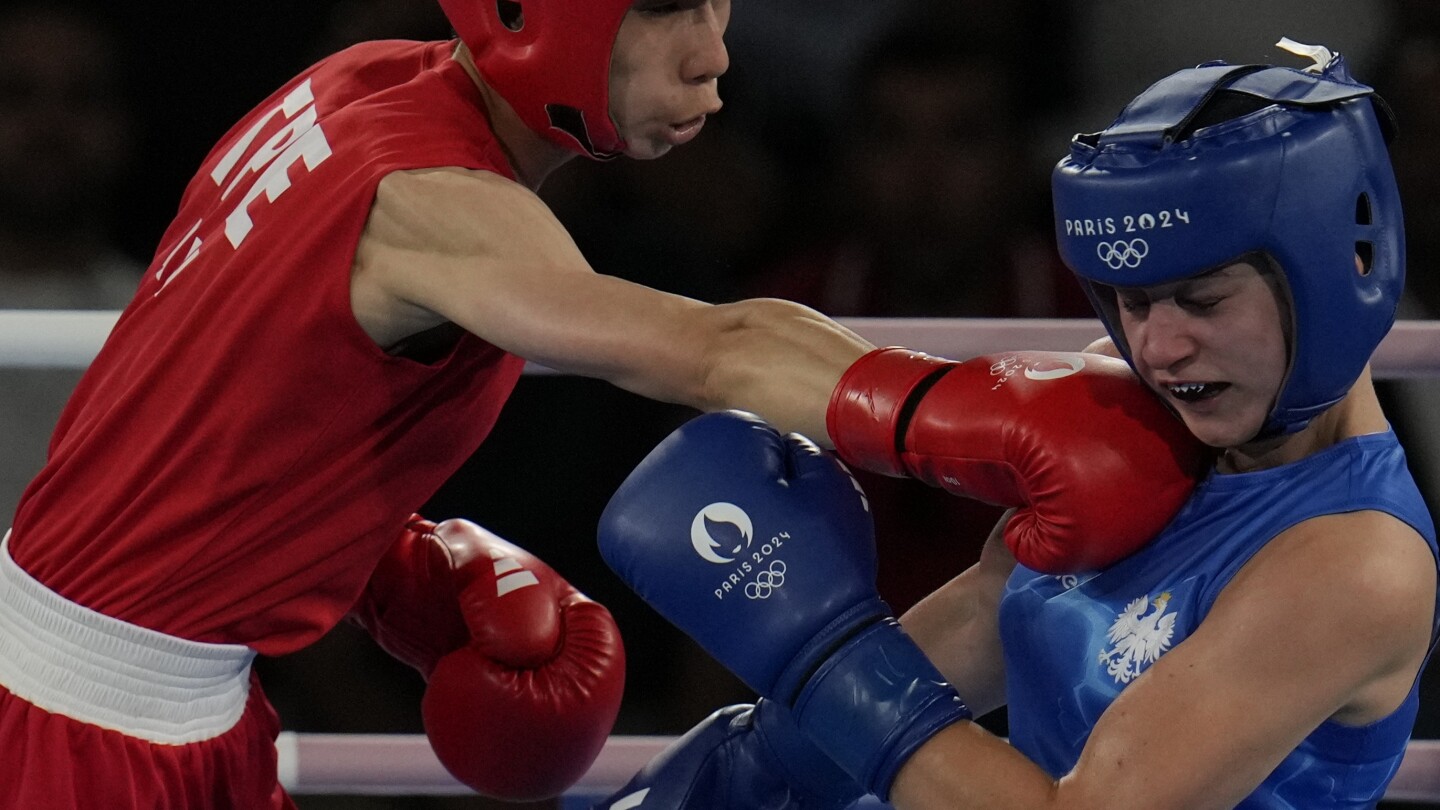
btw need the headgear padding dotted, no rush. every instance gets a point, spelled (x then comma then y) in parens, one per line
(550, 61)
(1304, 177)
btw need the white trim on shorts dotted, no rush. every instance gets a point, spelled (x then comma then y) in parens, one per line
(70, 660)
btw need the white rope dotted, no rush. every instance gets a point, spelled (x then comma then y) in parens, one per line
(70, 338)
(1418, 779)
(41, 338)
(403, 764)
(357, 764)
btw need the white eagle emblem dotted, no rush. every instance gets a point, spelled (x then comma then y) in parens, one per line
(1141, 633)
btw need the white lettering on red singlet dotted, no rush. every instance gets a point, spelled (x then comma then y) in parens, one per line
(168, 270)
(300, 139)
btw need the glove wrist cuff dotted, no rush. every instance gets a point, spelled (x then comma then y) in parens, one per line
(874, 702)
(805, 767)
(797, 676)
(869, 407)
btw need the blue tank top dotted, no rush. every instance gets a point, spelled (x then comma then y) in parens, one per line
(1073, 643)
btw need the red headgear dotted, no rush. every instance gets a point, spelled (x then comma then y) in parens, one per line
(550, 60)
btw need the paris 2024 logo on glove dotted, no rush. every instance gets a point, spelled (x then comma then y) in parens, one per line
(723, 534)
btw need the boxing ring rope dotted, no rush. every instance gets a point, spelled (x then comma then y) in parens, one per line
(70, 338)
(403, 764)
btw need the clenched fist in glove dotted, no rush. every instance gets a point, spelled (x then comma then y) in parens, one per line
(524, 673)
(761, 548)
(1095, 462)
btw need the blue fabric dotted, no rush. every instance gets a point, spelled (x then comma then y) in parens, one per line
(1306, 180)
(739, 758)
(1065, 665)
(795, 616)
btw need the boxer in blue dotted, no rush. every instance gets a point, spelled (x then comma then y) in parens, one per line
(1240, 233)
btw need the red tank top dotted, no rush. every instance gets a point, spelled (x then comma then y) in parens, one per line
(240, 452)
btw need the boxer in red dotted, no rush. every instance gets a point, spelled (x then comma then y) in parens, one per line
(354, 278)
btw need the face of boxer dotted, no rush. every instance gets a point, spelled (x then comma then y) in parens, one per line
(1214, 347)
(664, 70)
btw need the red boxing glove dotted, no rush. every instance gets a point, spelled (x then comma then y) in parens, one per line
(524, 673)
(1094, 460)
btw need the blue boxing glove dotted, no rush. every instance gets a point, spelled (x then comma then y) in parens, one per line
(761, 548)
(739, 758)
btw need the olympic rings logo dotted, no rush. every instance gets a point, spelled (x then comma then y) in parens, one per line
(766, 581)
(1120, 253)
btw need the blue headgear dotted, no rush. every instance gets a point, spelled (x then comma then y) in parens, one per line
(1305, 179)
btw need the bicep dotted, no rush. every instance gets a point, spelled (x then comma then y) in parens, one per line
(484, 253)
(1276, 657)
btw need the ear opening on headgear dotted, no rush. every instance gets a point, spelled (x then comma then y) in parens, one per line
(1364, 249)
(1366, 252)
(512, 14)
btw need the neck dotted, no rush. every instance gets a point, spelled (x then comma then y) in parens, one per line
(531, 156)
(1358, 414)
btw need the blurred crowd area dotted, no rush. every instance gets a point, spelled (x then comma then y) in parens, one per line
(873, 159)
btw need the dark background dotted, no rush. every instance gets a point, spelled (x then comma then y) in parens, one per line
(873, 160)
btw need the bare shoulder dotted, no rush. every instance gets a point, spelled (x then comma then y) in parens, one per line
(1104, 346)
(456, 245)
(1372, 555)
(1331, 621)
(1363, 581)
(454, 208)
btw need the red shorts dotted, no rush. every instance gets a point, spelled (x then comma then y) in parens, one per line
(56, 763)
(96, 712)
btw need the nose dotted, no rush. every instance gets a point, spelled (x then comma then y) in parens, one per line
(1163, 340)
(708, 58)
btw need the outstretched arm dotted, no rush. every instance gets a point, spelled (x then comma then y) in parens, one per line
(475, 249)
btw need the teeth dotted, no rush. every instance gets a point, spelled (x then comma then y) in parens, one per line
(1192, 392)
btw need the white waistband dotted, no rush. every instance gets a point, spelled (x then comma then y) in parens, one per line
(68, 659)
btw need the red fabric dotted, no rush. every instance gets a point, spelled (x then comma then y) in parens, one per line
(504, 642)
(1073, 439)
(240, 454)
(541, 658)
(52, 762)
(866, 406)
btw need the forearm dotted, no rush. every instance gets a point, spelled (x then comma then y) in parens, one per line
(778, 359)
(965, 766)
(958, 625)
(957, 628)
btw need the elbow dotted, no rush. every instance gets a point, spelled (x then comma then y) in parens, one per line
(739, 338)
(726, 329)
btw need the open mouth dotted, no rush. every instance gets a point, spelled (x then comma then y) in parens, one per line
(1196, 392)
(686, 130)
